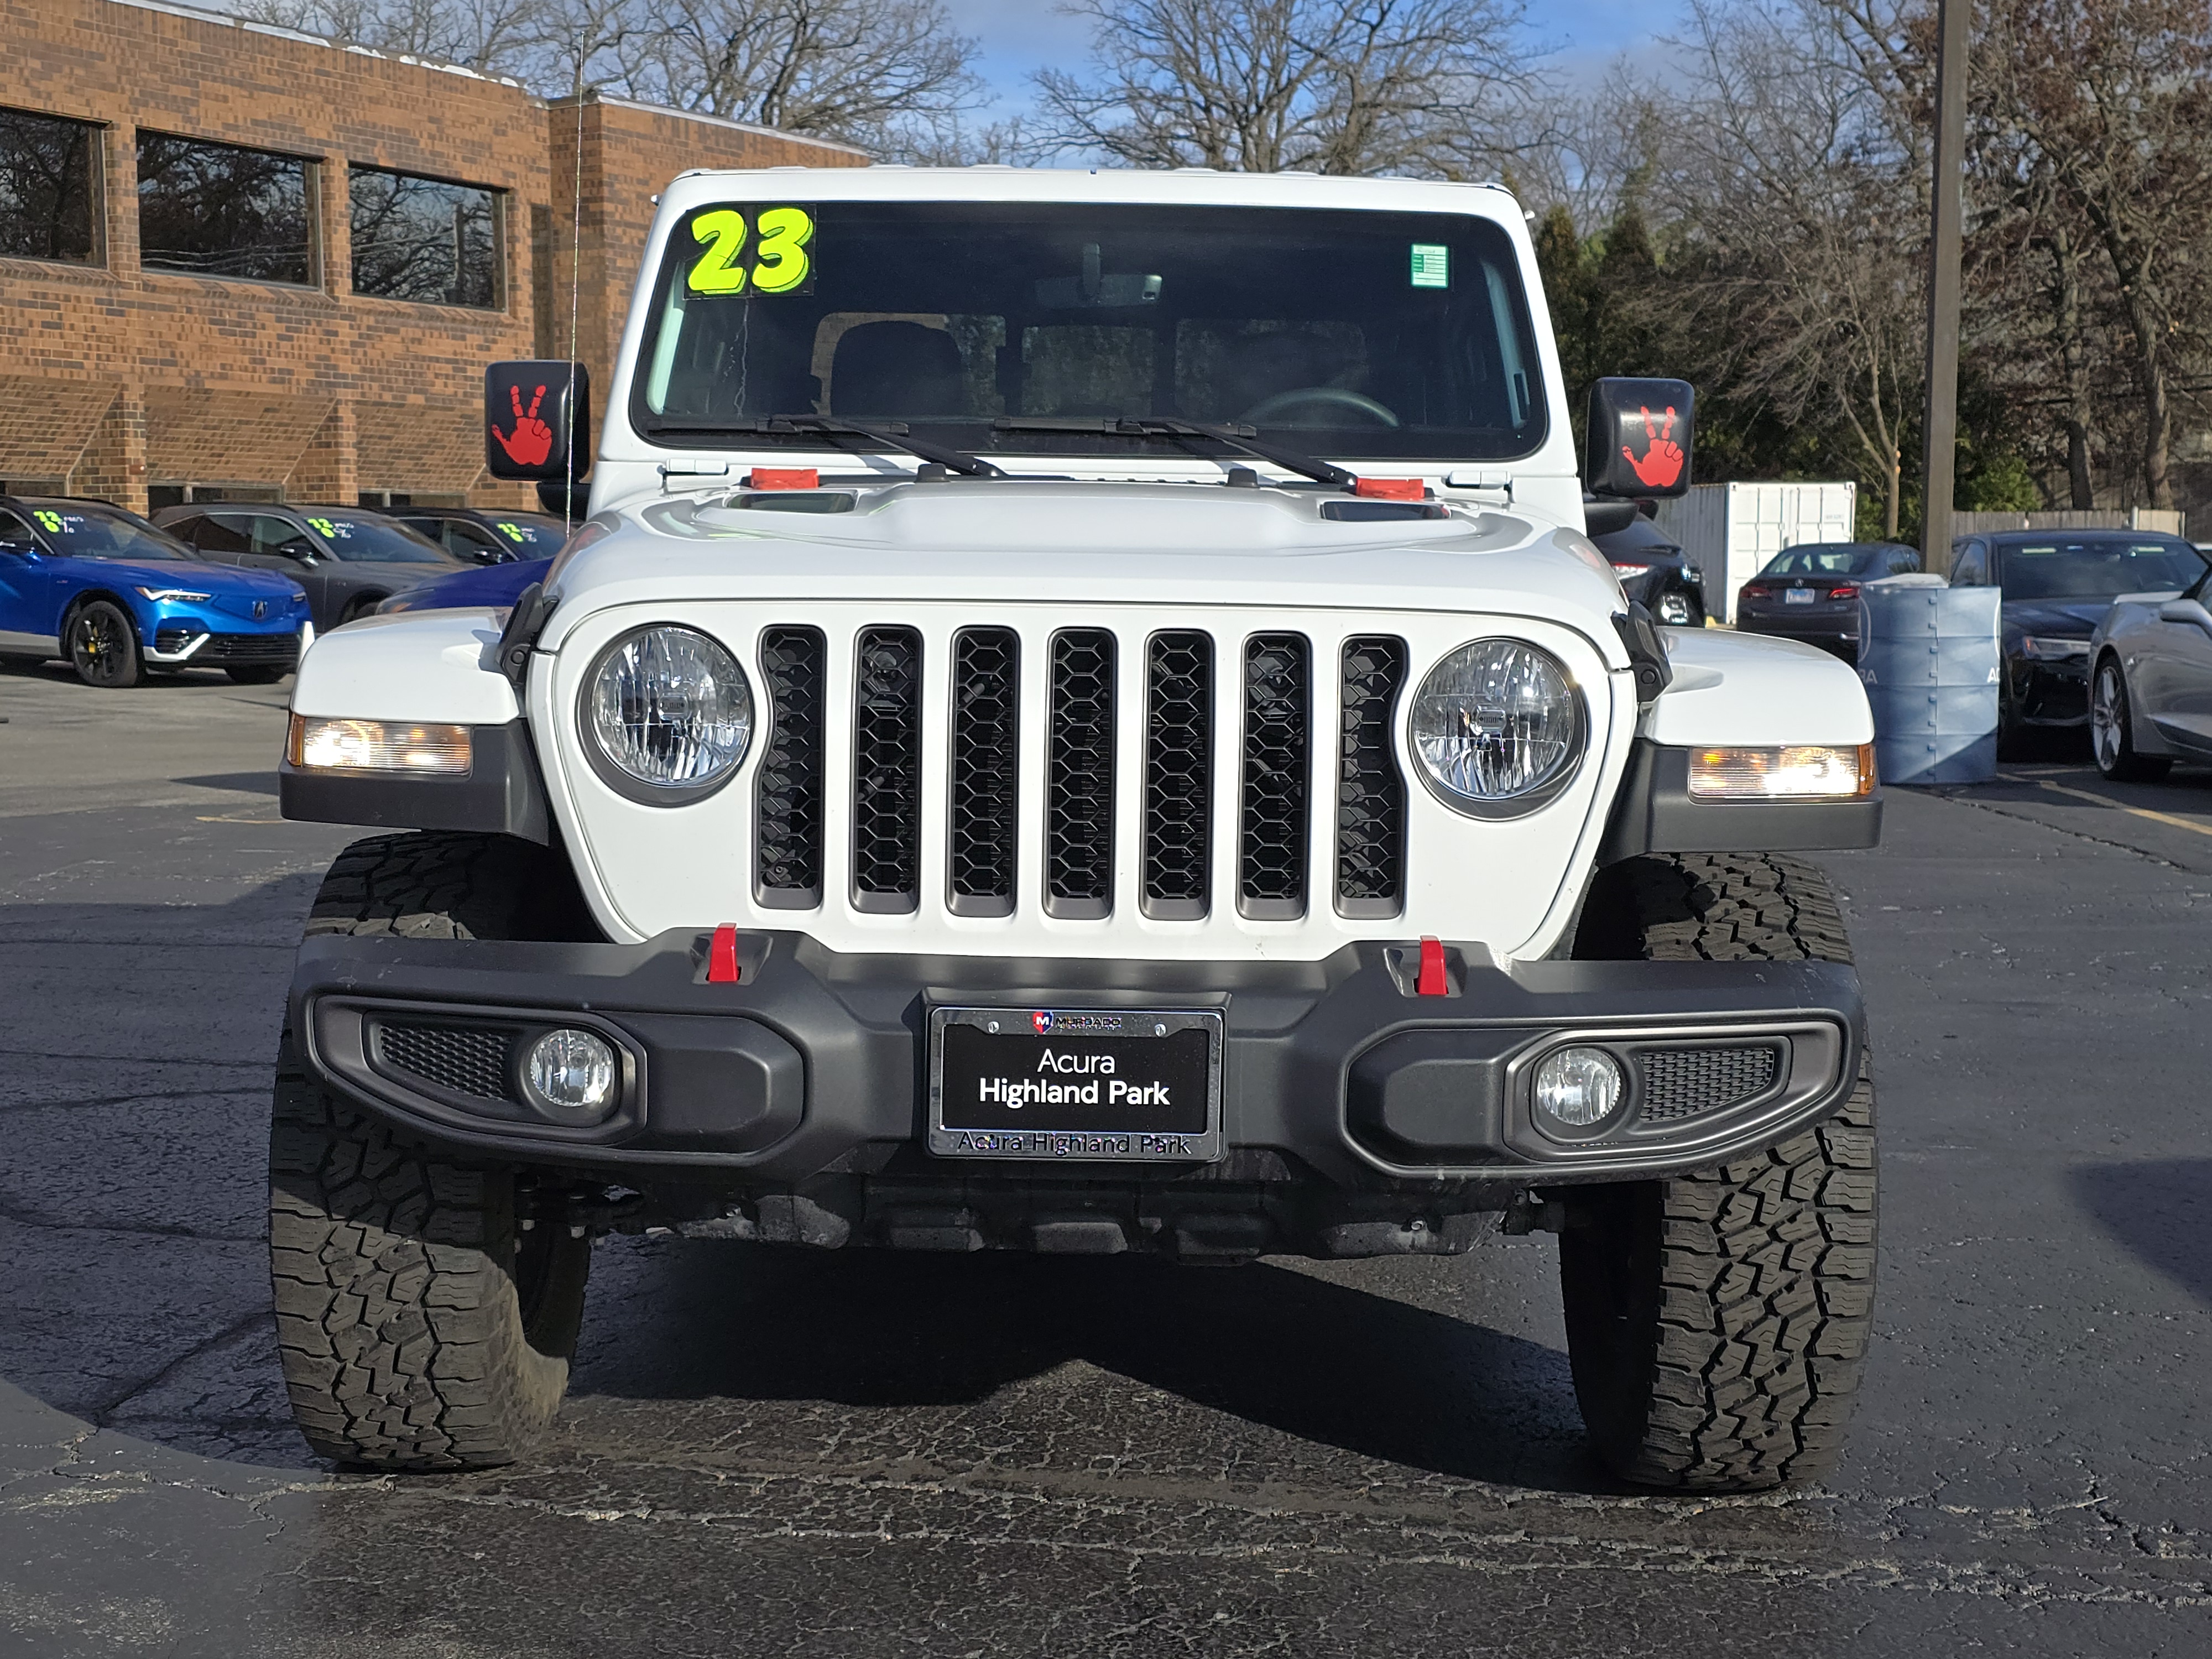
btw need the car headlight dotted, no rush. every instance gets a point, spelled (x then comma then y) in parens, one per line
(1496, 727)
(181, 595)
(1629, 573)
(2049, 650)
(667, 715)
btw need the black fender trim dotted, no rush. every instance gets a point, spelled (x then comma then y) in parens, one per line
(1655, 812)
(503, 794)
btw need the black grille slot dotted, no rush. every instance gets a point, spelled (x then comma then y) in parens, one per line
(788, 799)
(985, 733)
(462, 1060)
(1178, 773)
(887, 770)
(1078, 819)
(1270, 881)
(1371, 794)
(1679, 1083)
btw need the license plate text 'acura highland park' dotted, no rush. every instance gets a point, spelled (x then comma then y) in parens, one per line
(1120, 1085)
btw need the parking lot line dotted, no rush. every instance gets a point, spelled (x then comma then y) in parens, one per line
(2140, 812)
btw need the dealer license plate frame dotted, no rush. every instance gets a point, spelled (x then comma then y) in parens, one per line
(1059, 1144)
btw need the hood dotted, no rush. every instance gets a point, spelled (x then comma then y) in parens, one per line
(1089, 543)
(2065, 619)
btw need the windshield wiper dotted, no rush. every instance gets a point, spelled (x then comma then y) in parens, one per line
(891, 436)
(1243, 438)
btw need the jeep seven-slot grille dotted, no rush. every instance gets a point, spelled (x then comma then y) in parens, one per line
(1079, 828)
(1271, 878)
(1178, 773)
(1229, 772)
(788, 793)
(887, 770)
(1371, 790)
(986, 732)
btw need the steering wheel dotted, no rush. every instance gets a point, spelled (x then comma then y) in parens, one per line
(1269, 410)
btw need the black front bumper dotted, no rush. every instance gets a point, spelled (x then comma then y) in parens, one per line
(812, 1066)
(2054, 693)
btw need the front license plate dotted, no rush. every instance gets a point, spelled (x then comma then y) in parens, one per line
(1111, 1084)
(1797, 596)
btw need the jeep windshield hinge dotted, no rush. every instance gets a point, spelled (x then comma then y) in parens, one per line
(1647, 653)
(533, 608)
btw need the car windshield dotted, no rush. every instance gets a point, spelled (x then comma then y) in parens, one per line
(76, 531)
(1826, 559)
(2096, 567)
(372, 541)
(1358, 334)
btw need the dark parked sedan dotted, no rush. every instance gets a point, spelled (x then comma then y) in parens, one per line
(347, 558)
(2057, 587)
(1656, 572)
(481, 536)
(1811, 591)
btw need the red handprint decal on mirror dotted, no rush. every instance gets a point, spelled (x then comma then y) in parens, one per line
(531, 441)
(1662, 456)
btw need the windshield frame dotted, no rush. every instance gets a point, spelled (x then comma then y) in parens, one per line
(1498, 279)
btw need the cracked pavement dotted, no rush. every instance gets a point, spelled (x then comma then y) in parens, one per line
(771, 1453)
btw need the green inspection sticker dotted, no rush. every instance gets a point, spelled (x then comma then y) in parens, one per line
(1431, 265)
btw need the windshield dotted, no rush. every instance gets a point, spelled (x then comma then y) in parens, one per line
(531, 537)
(1826, 559)
(1364, 335)
(370, 541)
(2093, 567)
(75, 531)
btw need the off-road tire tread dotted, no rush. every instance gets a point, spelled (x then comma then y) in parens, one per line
(1765, 1266)
(404, 1341)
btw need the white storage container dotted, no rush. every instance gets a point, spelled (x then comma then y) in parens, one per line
(1731, 530)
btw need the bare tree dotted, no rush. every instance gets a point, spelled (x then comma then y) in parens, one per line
(496, 37)
(1263, 86)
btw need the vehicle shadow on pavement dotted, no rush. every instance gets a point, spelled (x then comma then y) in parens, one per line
(2160, 1210)
(1358, 1369)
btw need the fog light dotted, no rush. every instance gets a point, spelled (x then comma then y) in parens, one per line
(1578, 1087)
(569, 1075)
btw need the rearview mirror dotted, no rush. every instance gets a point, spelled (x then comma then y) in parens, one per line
(1640, 438)
(538, 420)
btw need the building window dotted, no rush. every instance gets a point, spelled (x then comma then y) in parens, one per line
(220, 211)
(48, 187)
(424, 240)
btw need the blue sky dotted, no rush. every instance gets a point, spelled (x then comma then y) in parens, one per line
(1020, 36)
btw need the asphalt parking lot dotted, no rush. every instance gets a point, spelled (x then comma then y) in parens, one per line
(866, 1455)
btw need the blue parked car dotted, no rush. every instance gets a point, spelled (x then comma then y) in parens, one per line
(118, 598)
(493, 585)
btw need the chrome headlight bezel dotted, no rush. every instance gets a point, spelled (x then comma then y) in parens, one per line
(629, 785)
(1530, 800)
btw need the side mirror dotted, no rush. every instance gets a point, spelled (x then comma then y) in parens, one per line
(1640, 438)
(2188, 612)
(20, 549)
(538, 420)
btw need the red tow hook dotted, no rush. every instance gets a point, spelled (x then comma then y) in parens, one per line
(722, 955)
(1433, 980)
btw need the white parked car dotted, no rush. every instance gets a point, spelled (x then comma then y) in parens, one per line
(980, 781)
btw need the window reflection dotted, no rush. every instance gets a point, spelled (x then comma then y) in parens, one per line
(220, 210)
(423, 239)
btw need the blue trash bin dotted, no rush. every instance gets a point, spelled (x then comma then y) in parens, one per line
(1929, 658)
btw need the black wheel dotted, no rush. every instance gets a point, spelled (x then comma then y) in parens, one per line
(255, 676)
(1717, 1321)
(423, 1323)
(2111, 729)
(103, 647)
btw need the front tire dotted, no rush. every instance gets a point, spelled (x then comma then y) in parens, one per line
(2111, 729)
(103, 647)
(1717, 1321)
(422, 1323)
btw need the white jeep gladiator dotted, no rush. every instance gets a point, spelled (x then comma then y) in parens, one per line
(1083, 719)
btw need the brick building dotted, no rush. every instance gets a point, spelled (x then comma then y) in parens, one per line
(239, 261)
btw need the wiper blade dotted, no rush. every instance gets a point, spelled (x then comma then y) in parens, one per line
(892, 435)
(1243, 438)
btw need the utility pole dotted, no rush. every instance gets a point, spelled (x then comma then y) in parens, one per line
(1941, 427)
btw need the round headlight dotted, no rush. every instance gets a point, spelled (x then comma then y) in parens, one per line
(1496, 727)
(667, 715)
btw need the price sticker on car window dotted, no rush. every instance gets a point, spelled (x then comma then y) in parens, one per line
(767, 250)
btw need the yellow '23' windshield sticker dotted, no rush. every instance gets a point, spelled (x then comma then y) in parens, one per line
(776, 239)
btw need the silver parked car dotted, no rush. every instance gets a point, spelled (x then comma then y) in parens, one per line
(2150, 693)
